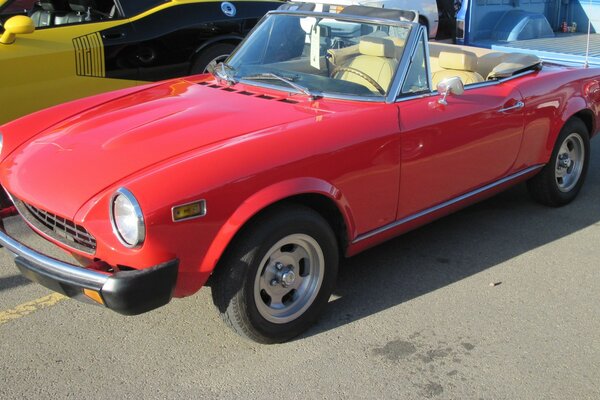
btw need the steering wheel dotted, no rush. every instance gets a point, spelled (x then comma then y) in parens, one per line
(362, 75)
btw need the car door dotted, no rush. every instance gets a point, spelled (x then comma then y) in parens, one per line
(450, 150)
(57, 63)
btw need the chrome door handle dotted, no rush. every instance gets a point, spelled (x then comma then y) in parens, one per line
(517, 106)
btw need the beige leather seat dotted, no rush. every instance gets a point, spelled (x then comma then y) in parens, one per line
(375, 59)
(463, 65)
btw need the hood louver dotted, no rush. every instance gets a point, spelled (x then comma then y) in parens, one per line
(247, 93)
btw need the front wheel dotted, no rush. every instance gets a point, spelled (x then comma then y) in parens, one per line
(559, 182)
(278, 275)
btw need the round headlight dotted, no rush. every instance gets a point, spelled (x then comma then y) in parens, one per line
(127, 219)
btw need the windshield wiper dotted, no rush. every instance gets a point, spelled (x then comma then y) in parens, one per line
(289, 81)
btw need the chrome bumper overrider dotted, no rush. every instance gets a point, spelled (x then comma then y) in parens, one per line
(127, 292)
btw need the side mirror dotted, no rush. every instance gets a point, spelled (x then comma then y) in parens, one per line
(17, 25)
(448, 86)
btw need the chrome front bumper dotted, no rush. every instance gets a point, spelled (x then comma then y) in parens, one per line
(128, 292)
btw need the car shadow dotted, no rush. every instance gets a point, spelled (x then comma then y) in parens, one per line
(13, 281)
(453, 248)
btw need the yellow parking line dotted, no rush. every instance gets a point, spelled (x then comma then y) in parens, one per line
(30, 307)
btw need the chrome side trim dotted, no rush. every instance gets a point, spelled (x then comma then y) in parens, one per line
(415, 96)
(445, 204)
(52, 267)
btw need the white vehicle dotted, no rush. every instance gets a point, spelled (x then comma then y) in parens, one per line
(427, 9)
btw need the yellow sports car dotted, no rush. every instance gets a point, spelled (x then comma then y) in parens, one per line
(52, 51)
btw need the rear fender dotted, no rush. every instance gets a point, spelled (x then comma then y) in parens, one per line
(572, 107)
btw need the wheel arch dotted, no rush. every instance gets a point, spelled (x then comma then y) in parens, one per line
(316, 194)
(577, 107)
(230, 39)
(587, 117)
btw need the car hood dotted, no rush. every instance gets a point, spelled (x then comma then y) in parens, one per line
(67, 164)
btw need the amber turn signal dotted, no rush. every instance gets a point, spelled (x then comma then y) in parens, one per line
(189, 210)
(92, 294)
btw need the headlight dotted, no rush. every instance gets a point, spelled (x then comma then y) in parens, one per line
(127, 218)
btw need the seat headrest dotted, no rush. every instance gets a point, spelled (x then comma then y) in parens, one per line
(82, 5)
(397, 41)
(54, 5)
(377, 47)
(463, 61)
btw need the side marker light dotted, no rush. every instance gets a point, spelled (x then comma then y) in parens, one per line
(189, 210)
(92, 294)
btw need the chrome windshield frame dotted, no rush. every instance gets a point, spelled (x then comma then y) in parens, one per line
(410, 48)
(400, 72)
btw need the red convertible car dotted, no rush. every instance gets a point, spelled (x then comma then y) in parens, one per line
(322, 135)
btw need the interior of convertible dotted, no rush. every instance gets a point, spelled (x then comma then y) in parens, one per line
(474, 64)
(49, 13)
(360, 58)
(377, 57)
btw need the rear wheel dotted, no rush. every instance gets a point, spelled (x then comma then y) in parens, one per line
(278, 275)
(559, 182)
(213, 54)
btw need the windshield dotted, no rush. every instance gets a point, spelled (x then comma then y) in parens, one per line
(16, 7)
(331, 55)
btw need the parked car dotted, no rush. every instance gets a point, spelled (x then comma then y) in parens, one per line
(427, 10)
(53, 51)
(321, 136)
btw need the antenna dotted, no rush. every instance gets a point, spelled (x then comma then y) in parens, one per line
(586, 64)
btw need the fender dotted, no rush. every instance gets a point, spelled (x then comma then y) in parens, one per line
(261, 200)
(217, 39)
(572, 107)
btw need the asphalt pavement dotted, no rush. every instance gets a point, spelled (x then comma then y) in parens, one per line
(498, 301)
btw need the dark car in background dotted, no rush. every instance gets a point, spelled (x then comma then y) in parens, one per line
(58, 50)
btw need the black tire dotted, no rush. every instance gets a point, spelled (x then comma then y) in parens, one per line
(217, 52)
(237, 280)
(549, 187)
(4, 201)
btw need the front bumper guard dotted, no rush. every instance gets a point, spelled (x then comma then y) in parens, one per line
(126, 292)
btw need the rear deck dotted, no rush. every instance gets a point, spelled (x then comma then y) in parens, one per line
(565, 48)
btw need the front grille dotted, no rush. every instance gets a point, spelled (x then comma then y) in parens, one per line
(58, 228)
